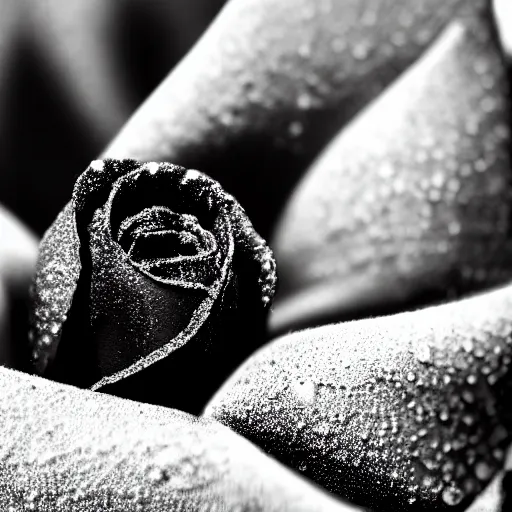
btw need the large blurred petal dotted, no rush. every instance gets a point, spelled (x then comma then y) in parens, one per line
(271, 81)
(67, 450)
(75, 40)
(412, 201)
(18, 254)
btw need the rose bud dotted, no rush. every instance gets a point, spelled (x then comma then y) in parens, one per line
(403, 412)
(69, 450)
(271, 82)
(411, 203)
(149, 261)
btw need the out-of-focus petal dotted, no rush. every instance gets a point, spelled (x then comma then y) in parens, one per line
(75, 41)
(67, 450)
(270, 82)
(9, 24)
(18, 254)
(412, 200)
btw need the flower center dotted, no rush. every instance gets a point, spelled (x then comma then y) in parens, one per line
(158, 232)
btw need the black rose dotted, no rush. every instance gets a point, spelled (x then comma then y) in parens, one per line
(148, 260)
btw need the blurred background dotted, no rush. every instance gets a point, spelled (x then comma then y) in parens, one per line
(71, 74)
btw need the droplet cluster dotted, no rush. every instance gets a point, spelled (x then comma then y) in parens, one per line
(415, 193)
(57, 273)
(337, 57)
(400, 412)
(66, 450)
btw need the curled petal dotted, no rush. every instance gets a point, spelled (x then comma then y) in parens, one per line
(149, 261)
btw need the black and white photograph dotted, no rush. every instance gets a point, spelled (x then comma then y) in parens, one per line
(255, 255)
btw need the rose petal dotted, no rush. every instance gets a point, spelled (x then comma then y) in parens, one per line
(410, 202)
(271, 81)
(67, 450)
(75, 39)
(118, 309)
(405, 412)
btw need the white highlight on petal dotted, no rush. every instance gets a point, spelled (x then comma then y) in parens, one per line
(97, 165)
(152, 167)
(503, 11)
(191, 174)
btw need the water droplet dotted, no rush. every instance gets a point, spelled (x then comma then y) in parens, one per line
(304, 50)
(45, 340)
(452, 495)
(434, 195)
(97, 165)
(483, 471)
(428, 481)
(454, 228)
(226, 119)
(444, 415)
(152, 167)
(157, 475)
(361, 50)
(498, 434)
(438, 179)
(498, 454)
(191, 174)
(480, 165)
(468, 419)
(305, 391)
(272, 395)
(369, 17)
(424, 353)
(295, 129)
(398, 39)
(471, 379)
(386, 170)
(338, 44)
(468, 396)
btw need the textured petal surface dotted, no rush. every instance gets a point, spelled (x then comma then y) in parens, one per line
(66, 450)
(405, 412)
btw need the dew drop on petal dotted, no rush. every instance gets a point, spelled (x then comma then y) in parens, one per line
(295, 129)
(452, 495)
(97, 165)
